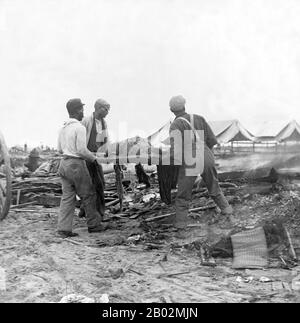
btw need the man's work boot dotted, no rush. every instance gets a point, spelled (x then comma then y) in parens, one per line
(223, 204)
(67, 234)
(100, 228)
(178, 222)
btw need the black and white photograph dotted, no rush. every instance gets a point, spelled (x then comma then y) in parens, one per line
(149, 154)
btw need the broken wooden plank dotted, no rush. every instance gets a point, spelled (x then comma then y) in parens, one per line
(118, 216)
(183, 272)
(202, 208)
(291, 244)
(135, 271)
(26, 210)
(112, 203)
(194, 225)
(18, 196)
(19, 206)
(109, 199)
(174, 274)
(158, 217)
(227, 185)
(39, 276)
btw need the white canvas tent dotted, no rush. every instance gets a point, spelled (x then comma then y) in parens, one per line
(276, 131)
(161, 137)
(230, 131)
(291, 132)
(225, 131)
(266, 131)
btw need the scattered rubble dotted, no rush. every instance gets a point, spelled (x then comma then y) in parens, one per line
(73, 298)
(161, 263)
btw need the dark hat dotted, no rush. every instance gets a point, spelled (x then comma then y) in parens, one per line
(74, 105)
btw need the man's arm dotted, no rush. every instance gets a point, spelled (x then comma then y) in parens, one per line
(107, 141)
(87, 123)
(82, 150)
(59, 148)
(210, 137)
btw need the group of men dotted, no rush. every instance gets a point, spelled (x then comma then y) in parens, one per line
(82, 175)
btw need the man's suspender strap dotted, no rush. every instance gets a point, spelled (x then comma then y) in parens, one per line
(191, 124)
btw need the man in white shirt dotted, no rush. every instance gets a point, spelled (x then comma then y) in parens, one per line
(72, 144)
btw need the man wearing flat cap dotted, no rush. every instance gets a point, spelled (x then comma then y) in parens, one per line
(187, 122)
(74, 174)
(96, 126)
(97, 138)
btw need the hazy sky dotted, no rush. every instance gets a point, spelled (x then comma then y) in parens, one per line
(229, 58)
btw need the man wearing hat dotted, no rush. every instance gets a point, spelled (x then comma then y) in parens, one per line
(33, 160)
(186, 122)
(97, 138)
(74, 173)
(96, 126)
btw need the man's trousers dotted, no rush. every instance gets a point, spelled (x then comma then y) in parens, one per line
(76, 181)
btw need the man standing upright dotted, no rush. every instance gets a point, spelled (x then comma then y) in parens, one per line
(97, 138)
(96, 126)
(74, 173)
(186, 122)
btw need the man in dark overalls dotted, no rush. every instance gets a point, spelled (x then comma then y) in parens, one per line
(97, 137)
(186, 122)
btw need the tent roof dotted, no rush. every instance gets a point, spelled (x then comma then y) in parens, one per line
(277, 130)
(291, 132)
(225, 131)
(160, 137)
(268, 129)
(230, 130)
(218, 127)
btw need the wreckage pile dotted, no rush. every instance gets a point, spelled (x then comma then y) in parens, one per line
(275, 206)
(34, 190)
(47, 192)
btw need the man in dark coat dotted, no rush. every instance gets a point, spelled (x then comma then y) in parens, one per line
(186, 122)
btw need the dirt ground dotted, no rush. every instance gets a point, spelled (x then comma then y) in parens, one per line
(123, 263)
